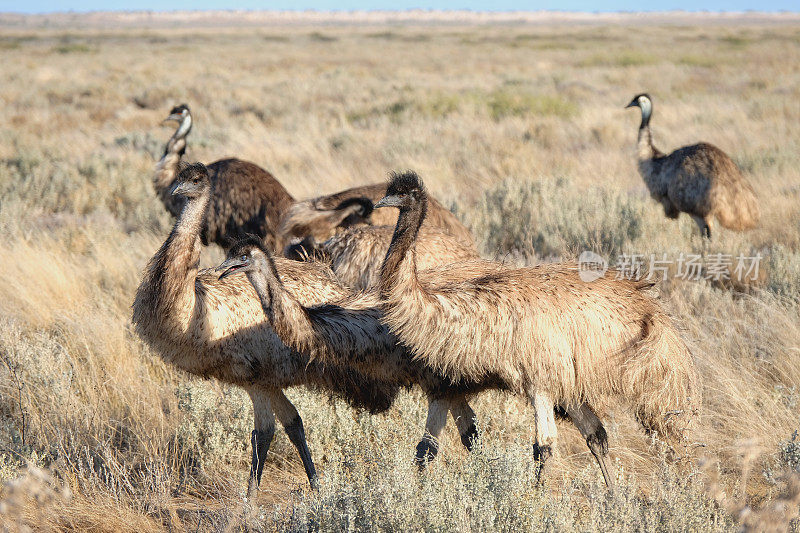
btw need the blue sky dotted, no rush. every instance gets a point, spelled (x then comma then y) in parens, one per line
(41, 6)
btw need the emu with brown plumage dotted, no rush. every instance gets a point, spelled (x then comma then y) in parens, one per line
(700, 180)
(542, 331)
(216, 328)
(347, 331)
(246, 198)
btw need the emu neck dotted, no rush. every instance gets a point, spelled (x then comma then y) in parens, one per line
(400, 266)
(184, 128)
(645, 149)
(167, 168)
(170, 278)
(290, 320)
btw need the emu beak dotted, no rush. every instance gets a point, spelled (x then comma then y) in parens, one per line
(229, 266)
(389, 201)
(633, 103)
(180, 189)
(175, 117)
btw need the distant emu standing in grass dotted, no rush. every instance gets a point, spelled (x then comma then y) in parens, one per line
(700, 180)
(216, 328)
(543, 332)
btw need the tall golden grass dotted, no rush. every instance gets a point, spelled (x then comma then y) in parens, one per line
(520, 128)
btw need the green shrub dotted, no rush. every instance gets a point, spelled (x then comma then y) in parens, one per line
(379, 489)
(505, 103)
(551, 217)
(217, 423)
(783, 272)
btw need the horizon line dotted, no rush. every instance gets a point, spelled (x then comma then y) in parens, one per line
(429, 11)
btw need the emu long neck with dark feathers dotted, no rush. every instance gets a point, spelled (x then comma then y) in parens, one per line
(351, 335)
(166, 173)
(288, 318)
(166, 297)
(401, 262)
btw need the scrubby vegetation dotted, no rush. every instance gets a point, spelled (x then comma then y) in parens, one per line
(521, 130)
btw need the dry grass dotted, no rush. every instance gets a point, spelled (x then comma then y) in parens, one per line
(520, 128)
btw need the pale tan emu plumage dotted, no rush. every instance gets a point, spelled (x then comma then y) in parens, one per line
(542, 331)
(214, 328)
(246, 198)
(356, 254)
(347, 331)
(322, 217)
(700, 180)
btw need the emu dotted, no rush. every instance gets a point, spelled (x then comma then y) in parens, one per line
(356, 254)
(216, 328)
(248, 199)
(543, 332)
(699, 179)
(320, 217)
(245, 198)
(348, 331)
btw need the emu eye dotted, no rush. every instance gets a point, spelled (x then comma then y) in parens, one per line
(244, 257)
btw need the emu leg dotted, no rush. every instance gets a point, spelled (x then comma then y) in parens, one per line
(260, 438)
(704, 224)
(428, 447)
(293, 426)
(464, 417)
(595, 434)
(544, 429)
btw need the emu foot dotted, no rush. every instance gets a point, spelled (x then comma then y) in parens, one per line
(469, 436)
(541, 454)
(426, 452)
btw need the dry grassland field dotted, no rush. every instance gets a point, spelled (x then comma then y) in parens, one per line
(520, 128)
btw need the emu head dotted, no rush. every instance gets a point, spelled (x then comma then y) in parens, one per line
(247, 255)
(404, 191)
(192, 181)
(303, 250)
(643, 102)
(353, 211)
(181, 115)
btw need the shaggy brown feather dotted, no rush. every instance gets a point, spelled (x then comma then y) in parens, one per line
(246, 198)
(356, 254)
(320, 217)
(539, 329)
(344, 330)
(347, 331)
(700, 180)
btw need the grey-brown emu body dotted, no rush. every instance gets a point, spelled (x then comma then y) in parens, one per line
(246, 198)
(320, 217)
(212, 328)
(347, 331)
(543, 332)
(700, 180)
(355, 255)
